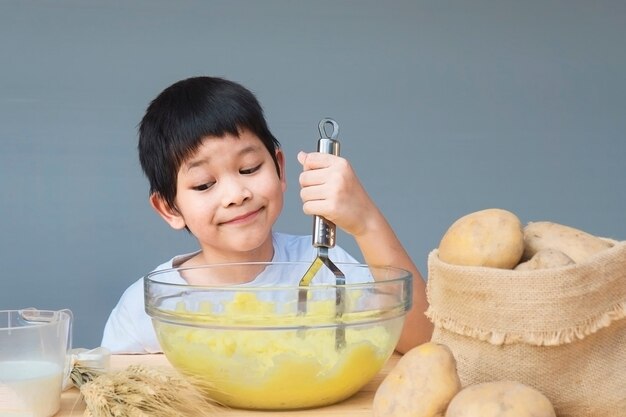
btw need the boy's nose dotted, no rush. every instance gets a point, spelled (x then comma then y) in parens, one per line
(235, 193)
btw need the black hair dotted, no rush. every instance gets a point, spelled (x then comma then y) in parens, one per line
(182, 115)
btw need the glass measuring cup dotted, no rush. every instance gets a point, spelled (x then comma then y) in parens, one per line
(33, 350)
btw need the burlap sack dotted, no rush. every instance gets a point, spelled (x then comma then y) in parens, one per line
(561, 331)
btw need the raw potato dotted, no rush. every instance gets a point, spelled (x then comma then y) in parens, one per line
(500, 399)
(545, 258)
(420, 385)
(575, 243)
(491, 237)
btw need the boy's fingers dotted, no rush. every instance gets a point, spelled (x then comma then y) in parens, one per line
(315, 160)
(312, 177)
(312, 193)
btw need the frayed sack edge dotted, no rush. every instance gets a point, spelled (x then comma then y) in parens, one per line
(552, 338)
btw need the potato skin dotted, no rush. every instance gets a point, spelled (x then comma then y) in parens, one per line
(500, 399)
(576, 244)
(420, 385)
(544, 259)
(491, 237)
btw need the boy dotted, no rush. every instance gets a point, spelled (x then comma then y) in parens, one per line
(216, 170)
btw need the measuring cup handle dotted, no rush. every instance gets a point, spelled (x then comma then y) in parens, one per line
(68, 357)
(70, 324)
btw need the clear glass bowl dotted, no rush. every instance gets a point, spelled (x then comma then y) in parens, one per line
(249, 345)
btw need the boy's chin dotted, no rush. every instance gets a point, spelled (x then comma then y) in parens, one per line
(253, 249)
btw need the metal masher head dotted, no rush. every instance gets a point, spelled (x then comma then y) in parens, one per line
(324, 235)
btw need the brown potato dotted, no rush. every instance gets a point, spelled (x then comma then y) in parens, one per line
(544, 259)
(420, 385)
(500, 399)
(576, 244)
(491, 237)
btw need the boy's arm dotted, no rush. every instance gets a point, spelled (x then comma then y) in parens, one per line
(380, 246)
(331, 189)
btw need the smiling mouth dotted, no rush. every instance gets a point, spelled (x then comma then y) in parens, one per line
(244, 218)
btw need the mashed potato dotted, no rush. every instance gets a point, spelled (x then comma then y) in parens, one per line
(282, 368)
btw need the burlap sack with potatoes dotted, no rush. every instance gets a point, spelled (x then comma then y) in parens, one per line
(561, 331)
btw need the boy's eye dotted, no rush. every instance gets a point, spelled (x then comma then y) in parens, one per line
(250, 170)
(203, 187)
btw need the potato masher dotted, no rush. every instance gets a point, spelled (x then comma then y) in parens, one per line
(324, 232)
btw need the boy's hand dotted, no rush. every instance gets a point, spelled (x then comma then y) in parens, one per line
(331, 189)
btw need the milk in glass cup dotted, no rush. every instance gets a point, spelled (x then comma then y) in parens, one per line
(33, 350)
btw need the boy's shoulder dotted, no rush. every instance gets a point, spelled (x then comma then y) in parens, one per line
(288, 247)
(287, 238)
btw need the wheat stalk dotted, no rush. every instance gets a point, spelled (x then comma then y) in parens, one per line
(142, 391)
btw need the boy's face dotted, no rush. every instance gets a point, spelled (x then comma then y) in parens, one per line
(228, 195)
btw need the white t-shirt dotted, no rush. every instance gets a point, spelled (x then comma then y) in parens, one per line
(129, 328)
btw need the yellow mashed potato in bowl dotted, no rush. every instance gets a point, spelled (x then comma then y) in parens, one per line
(251, 350)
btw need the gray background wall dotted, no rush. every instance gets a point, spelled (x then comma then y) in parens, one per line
(445, 107)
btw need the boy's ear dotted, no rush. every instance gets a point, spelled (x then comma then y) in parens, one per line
(170, 215)
(280, 157)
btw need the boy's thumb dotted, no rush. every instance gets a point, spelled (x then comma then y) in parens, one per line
(302, 157)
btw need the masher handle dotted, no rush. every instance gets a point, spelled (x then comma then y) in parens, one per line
(324, 231)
